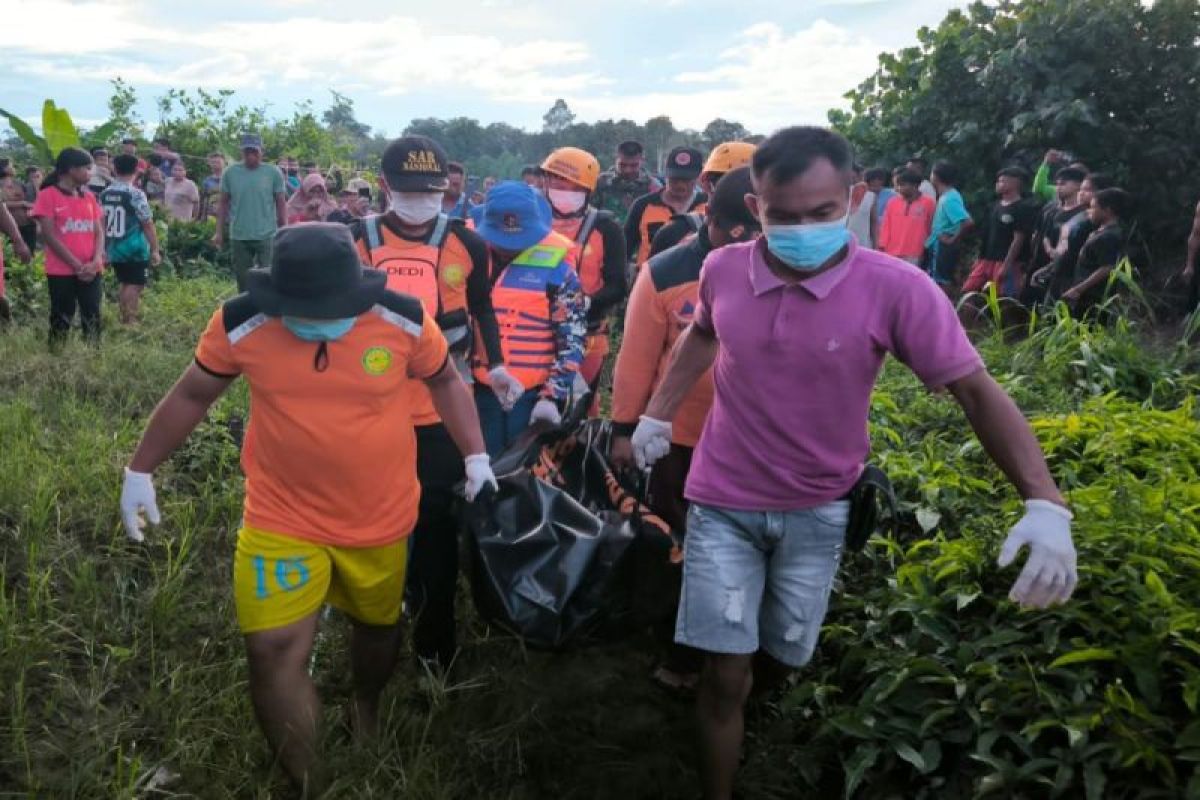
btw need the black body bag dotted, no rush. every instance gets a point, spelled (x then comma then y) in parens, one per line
(547, 551)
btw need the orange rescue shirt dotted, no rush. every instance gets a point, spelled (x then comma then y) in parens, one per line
(664, 298)
(330, 455)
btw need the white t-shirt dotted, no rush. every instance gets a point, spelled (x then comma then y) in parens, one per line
(181, 198)
(859, 221)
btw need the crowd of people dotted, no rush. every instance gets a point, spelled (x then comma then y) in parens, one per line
(1053, 236)
(404, 334)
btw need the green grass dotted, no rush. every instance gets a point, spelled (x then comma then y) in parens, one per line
(119, 661)
(122, 673)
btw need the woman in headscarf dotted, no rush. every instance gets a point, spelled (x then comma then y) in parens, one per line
(311, 202)
(354, 202)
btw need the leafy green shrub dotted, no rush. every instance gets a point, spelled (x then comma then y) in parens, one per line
(24, 284)
(929, 683)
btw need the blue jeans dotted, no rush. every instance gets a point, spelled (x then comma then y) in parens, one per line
(755, 578)
(941, 262)
(501, 428)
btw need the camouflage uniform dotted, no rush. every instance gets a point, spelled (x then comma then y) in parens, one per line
(616, 194)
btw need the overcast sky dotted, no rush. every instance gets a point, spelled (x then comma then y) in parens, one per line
(765, 63)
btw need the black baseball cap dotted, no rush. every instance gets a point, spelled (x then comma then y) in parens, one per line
(684, 162)
(415, 164)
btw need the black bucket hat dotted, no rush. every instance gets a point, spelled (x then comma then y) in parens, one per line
(315, 273)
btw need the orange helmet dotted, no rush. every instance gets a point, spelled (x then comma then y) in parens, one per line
(728, 156)
(577, 166)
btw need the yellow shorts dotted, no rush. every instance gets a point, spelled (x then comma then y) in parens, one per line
(278, 580)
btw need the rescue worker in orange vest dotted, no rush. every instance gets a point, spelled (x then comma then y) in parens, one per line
(541, 310)
(436, 259)
(571, 175)
(726, 157)
(660, 309)
(652, 211)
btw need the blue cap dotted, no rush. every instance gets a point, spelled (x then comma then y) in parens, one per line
(514, 217)
(251, 141)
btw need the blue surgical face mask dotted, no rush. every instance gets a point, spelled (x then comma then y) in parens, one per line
(807, 247)
(319, 330)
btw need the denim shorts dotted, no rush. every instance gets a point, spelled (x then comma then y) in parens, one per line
(756, 579)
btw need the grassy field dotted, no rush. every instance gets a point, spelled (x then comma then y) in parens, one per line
(122, 674)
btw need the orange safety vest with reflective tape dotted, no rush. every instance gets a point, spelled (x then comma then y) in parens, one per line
(434, 271)
(521, 299)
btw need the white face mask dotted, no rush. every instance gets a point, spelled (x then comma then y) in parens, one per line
(566, 201)
(416, 208)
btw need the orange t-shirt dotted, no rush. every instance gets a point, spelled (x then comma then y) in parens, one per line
(664, 298)
(330, 455)
(906, 226)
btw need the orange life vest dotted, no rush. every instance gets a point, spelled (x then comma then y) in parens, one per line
(582, 231)
(521, 298)
(434, 271)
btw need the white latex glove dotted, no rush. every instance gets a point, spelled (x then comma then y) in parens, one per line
(479, 474)
(651, 441)
(545, 411)
(137, 495)
(507, 388)
(1049, 574)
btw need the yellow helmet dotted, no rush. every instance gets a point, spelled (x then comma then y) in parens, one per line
(575, 165)
(728, 156)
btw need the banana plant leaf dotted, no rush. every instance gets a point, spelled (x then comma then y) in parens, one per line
(57, 127)
(28, 136)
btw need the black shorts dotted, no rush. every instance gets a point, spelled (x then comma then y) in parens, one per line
(132, 273)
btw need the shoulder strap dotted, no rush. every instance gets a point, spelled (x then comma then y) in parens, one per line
(587, 226)
(439, 230)
(371, 227)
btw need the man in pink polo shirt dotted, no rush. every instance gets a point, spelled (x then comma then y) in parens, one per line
(798, 325)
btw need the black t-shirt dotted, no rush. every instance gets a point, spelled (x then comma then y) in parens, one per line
(1019, 216)
(1104, 248)
(1049, 228)
(679, 228)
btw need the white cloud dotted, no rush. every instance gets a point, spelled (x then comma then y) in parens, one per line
(768, 79)
(494, 51)
(393, 55)
(109, 27)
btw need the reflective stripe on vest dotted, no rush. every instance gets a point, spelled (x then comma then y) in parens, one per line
(521, 299)
(412, 269)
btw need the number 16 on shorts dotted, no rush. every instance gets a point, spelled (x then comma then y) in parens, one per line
(288, 574)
